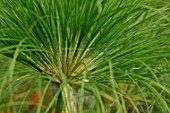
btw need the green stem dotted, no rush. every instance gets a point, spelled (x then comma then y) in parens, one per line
(68, 99)
(59, 105)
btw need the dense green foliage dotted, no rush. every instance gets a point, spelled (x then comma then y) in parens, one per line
(90, 56)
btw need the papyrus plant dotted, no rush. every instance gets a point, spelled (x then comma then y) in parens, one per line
(102, 55)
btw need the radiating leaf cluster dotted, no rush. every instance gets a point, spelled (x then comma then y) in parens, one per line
(106, 55)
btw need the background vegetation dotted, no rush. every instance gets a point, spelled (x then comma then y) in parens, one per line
(84, 56)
